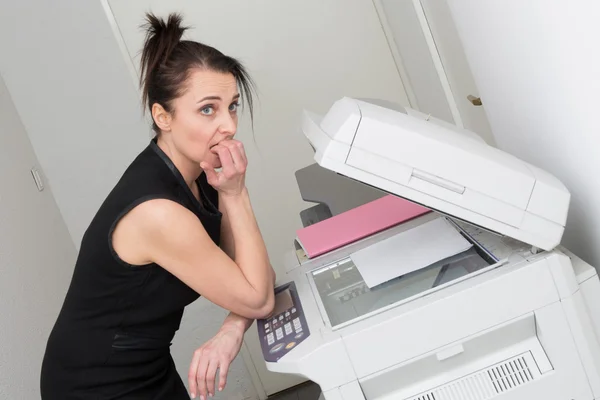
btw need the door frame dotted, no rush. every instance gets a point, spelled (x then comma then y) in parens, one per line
(433, 52)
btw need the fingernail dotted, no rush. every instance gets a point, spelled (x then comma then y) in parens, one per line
(193, 395)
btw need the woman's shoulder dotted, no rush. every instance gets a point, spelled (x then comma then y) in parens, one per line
(144, 178)
(147, 172)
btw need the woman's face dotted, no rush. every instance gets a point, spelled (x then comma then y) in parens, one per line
(204, 115)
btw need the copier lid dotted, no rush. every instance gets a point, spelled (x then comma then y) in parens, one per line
(440, 166)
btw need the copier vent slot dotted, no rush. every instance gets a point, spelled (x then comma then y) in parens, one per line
(487, 383)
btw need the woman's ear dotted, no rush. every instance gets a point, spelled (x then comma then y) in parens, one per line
(161, 117)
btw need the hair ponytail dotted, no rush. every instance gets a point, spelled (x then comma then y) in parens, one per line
(161, 39)
(166, 61)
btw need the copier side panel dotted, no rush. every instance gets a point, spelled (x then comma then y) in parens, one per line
(589, 284)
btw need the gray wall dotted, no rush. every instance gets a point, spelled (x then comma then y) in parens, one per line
(36, 260)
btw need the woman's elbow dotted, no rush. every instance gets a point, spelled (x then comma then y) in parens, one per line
(262, 308)
(267, 309)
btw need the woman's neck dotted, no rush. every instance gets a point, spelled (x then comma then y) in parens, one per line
(187, 168)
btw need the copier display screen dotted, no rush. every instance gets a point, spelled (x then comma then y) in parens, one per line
(283, 302)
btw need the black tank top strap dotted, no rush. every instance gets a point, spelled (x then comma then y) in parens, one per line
(209, 198)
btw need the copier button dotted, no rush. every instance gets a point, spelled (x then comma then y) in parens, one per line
(297, 325)
(276, 348)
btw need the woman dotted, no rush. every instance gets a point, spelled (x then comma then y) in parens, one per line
(172, 229)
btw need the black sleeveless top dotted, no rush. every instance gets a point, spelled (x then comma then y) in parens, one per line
(111, 339)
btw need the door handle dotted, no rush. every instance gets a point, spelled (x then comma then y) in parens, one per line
(476, 101)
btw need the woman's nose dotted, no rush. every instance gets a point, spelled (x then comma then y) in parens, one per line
(228, 126)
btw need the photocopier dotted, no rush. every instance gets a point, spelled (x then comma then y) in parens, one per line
(516, 316)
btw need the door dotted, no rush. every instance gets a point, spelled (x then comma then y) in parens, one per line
(437, 75)
(302, 55)
(456, 67)
(408, 34)
(37, 257)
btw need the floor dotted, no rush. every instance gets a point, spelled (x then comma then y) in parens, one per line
(305, 391)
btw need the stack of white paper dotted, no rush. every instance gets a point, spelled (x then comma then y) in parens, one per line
(409, 251)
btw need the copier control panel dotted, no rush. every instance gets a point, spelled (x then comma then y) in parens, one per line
(287, 326)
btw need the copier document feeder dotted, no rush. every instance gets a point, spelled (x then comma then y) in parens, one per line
(514, 316)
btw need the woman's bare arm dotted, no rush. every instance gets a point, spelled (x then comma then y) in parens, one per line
(173, 237)
(228, 246)
(165, 232)
(227, 237)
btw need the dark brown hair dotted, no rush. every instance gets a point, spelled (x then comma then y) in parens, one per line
(167, 60)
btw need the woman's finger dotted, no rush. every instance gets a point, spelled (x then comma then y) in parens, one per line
(211, 373)
(239, 147)
(211, 175)
(223, 370)
(225, 157)
(201, 376)
(234, 149)
(193, 372)
(242, 152)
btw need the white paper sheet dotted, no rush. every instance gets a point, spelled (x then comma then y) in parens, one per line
(409, 251)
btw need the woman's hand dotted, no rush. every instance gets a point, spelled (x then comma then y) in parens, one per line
(217, 353)
(231, 179)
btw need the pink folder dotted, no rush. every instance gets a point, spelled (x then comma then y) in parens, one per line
(356, 224)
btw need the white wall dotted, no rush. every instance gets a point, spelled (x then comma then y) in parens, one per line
(36, 260)
(537, 66)
(79, 106)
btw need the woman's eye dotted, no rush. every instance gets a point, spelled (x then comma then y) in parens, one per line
(233, 107)
(209, 110)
